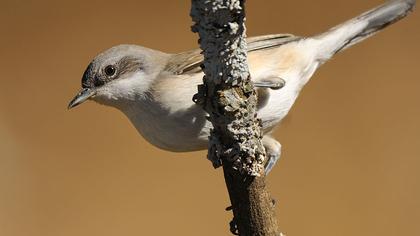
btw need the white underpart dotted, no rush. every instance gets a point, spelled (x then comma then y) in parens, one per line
(296, 76)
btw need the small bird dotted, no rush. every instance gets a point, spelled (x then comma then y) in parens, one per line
(155, 89)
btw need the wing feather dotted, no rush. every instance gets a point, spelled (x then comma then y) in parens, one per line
(189, 61)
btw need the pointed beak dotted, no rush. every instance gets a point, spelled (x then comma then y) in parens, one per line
(81, 97)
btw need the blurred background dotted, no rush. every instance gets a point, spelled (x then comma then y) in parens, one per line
(351, 144)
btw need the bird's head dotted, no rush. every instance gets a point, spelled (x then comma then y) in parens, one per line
(120, 74)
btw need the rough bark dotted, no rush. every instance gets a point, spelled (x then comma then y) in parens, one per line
(229, 98)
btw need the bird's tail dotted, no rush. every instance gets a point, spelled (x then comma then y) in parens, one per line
(361, 27)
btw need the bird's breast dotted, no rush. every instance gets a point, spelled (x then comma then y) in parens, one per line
(179, 131)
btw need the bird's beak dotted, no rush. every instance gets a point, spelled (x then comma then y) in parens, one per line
(81, 97)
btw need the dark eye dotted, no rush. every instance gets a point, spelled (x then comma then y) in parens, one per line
(110, 70)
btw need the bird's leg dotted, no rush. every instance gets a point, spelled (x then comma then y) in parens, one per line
(263, 94)
(273, 151)
(274, 82)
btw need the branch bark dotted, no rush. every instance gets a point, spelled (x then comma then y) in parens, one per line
(229, 98)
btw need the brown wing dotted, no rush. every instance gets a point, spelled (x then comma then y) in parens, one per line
(189, 61)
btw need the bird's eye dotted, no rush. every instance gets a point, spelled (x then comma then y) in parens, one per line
(110, 70)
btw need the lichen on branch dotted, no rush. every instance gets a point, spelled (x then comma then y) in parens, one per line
(227, 93)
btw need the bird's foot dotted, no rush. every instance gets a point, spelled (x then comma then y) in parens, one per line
(273, 151)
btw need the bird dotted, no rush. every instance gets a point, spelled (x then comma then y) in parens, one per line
(155, 89)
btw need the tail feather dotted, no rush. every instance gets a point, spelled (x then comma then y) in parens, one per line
(361, 27)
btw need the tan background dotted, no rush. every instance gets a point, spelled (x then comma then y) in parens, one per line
(351, 145)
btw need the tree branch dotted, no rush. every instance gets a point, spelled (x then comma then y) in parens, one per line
(229, 98)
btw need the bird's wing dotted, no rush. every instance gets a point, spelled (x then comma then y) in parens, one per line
(189, 61)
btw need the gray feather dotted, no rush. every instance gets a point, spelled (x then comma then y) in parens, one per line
(190, 61)
(375, 20)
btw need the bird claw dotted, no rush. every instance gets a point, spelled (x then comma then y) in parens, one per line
(233, 227)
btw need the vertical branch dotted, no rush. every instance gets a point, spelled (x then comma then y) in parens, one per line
(229, 98)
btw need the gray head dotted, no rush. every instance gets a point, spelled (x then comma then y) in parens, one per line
(119, 73)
